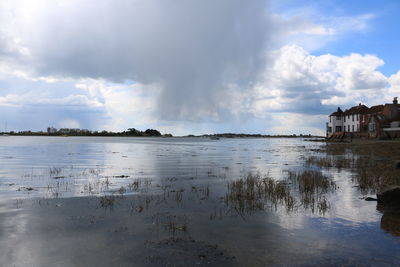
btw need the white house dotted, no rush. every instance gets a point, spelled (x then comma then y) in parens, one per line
(353, 117)
(348, 121)
(365, 121)
(335, 123)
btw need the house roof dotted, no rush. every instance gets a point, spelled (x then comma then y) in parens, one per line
(375, 109)
(360, 109)
(337, 113)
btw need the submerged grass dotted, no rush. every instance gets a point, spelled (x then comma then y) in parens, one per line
(373, 164)
(107, 201)
(254, 192)
(307, 190)
(312, 187)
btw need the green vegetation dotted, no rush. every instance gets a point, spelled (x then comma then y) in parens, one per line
(373, 164)
(84, 132)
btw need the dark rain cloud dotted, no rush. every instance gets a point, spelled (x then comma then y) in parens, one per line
(191, 49)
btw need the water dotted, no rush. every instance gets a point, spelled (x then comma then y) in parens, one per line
(159, 201)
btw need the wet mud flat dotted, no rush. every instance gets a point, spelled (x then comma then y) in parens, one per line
(185, 202)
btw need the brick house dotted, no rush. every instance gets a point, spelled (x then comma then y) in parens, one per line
(361, 121)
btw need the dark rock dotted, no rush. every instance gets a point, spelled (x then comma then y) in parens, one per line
(390, 223)
(370, 199)
(25, 189)
(121, 176)
(397, 164)
(389, 198)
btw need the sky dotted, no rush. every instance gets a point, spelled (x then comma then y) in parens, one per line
(194, 67)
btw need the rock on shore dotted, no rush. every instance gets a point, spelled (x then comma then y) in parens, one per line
(389, 199)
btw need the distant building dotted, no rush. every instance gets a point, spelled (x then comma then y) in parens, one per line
(51, 130)
(69, 130)
(361, 121)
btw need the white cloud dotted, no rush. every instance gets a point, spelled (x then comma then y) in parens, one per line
(13, 100)
(292, 123)
(192, 49)
(70, 123)
(298, 89)
(125, 105)
(195, 64)
(359, 72)
(394, 81)
(312, 29)
(304, 83)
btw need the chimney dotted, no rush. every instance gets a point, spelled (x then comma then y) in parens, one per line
(395, 100)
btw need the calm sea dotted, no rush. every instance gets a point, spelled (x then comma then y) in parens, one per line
(79, 201)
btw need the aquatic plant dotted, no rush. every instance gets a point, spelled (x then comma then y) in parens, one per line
(107, 201)
(254, 192)
(312, 187)
(55, 171)
(373, 164)
(134, 186)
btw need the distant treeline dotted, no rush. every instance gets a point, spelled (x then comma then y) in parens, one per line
(84, 132)
(234, 135)
(149, 133)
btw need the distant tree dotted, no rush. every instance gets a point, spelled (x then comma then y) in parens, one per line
(134, 132)
(152, 132)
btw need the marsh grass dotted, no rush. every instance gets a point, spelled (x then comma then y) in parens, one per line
(121, 190)
(55, 171)
(373, 164)
(319, 161)
(371, 175)
(107, 201)
(308, 190)
(313, 188)
(175, 225)
(253, 192)
(178, 195)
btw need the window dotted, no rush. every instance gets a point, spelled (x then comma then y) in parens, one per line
(352, 128)
(338, 128)
(348, 128)
(357, 117)
(338, 118)
(344, 118)
(371, 127)
(352, 116)
(330, 119)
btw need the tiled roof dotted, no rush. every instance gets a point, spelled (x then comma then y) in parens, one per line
(339, 112)
(336, 113)
(360, 109)
(375, 109)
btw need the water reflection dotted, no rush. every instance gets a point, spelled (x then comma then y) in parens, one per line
(71, 164)
(150, 201)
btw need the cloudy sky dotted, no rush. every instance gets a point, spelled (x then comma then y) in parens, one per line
(190, 66)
